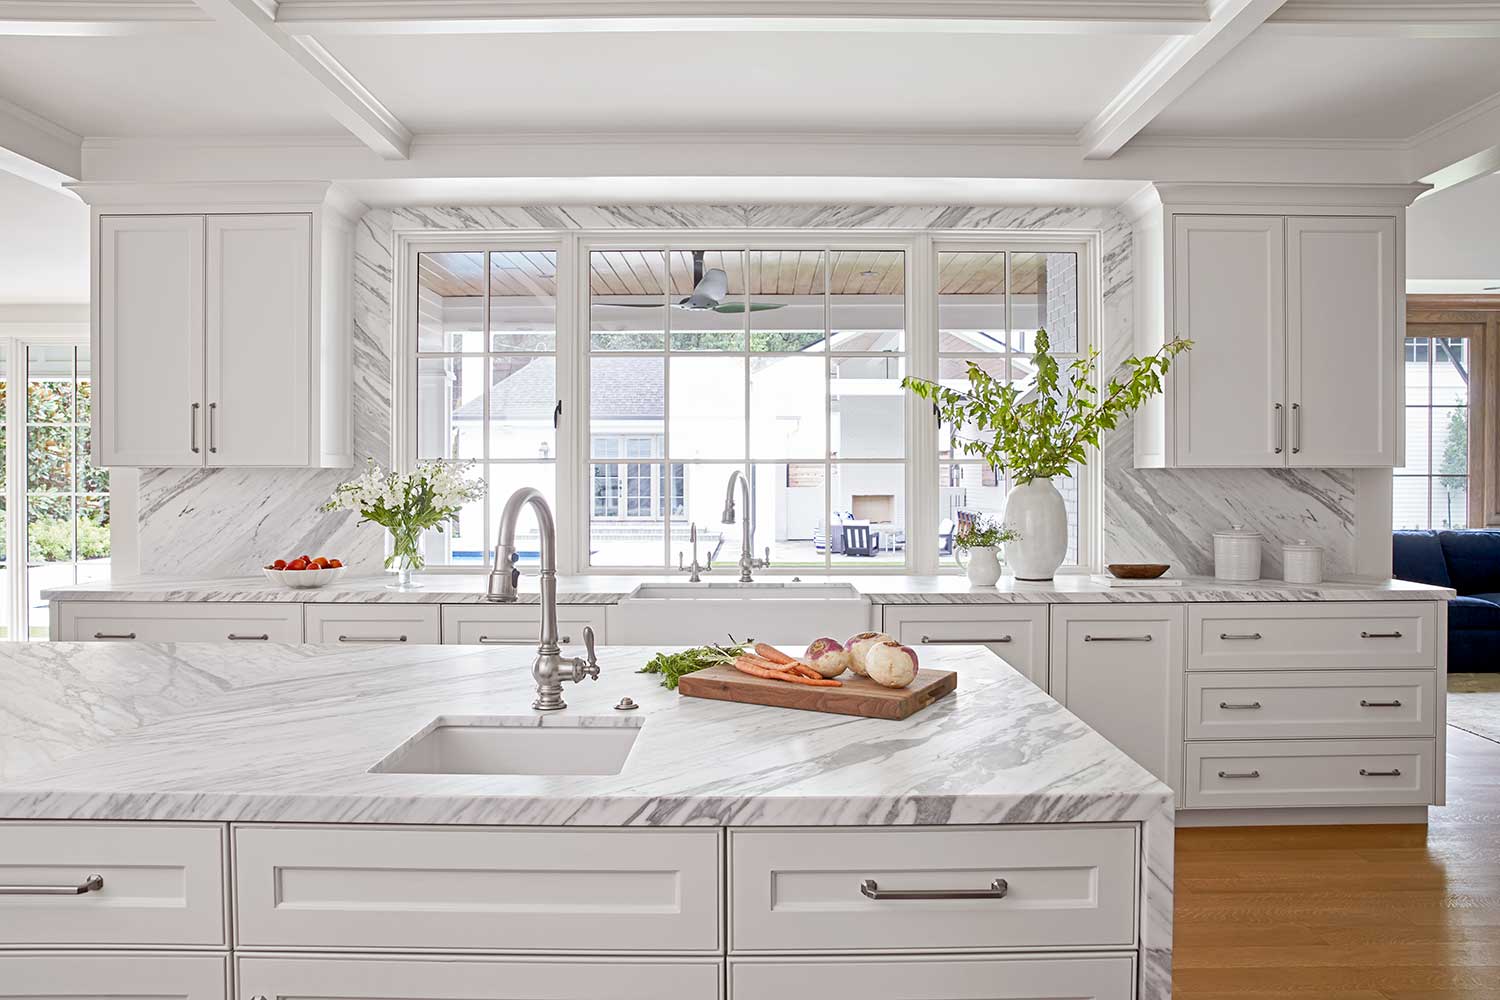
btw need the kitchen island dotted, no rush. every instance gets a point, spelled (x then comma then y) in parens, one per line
(738, 848)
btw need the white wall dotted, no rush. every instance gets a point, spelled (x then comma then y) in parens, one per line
(1454, 235)
(44, 244)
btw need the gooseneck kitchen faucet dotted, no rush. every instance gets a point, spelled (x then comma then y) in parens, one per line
(551, 667)
(747, 530)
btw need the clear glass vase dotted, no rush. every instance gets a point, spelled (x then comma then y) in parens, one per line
(404, 558)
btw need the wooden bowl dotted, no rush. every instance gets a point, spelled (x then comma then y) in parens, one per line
(1137, 571)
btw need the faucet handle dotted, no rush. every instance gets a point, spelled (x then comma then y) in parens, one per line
(591, 667)
(767, 560)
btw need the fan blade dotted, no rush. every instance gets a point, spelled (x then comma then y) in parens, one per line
(630, 305)
(739, 307)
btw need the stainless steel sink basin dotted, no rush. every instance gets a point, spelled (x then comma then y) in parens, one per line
(479, 744)
(733, 590)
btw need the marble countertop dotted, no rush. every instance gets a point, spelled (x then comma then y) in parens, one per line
(438, 588)
(288, 733)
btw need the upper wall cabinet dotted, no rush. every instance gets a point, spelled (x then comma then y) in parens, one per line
(222, 340)
(1296, 336)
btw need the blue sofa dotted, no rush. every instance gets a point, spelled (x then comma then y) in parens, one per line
(1469, 562)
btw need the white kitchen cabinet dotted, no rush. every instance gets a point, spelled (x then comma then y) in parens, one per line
(372, 624)
(140, 976)
(176, 621)
(258, 351)
(1245, 774)
(1015, 633)
(1342, 344)
(1327, 635)
(148, 393)
(1039, 977)
(519, 624)
(1119, 668)
(222, 337)
(1229, 299)
(367, 978)
(1310, 704)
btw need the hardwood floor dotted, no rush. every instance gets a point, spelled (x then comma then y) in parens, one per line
(1349, 912)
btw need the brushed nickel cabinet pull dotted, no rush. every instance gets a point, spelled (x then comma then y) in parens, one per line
(213, 448)
(1394, 772)
(114, 635)
(1296, 428)
(193, 423)
(928, 640)
(488, 640)
(1117, 638)
(1280, 427)
(1394, 703)
(1380, 635)
(1241, 706)
(372, 638)
(997, 890)
(1239, 774)
(91, 884)
(263, 637)
(1233, 636)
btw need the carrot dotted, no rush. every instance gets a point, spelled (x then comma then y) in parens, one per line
(749, 665)
(766, 651)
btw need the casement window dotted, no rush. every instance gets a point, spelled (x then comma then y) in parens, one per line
(629, 377)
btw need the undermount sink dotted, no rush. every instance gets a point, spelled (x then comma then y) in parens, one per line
(475, 744)
(770, 590)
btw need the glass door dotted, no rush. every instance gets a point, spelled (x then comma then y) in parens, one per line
(55, 503)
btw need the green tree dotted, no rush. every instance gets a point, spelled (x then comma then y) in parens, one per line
(1454, 465)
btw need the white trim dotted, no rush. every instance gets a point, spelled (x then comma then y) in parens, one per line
(1175, 67)
(39, 149)
(79, 18)
(1312, 816)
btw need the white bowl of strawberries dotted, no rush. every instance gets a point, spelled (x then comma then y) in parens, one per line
(304, 572)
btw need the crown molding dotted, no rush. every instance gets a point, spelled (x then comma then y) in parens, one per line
(1177, 195)
(1429, 19)
(189, 195)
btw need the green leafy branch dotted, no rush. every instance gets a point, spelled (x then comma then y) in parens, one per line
(1047, 434)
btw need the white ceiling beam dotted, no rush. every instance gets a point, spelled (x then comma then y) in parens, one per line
(1175, 67)
(96, 17)
(321, 17)
(1459, 148)
(37, 149)
(1391, 18)
(347, 99)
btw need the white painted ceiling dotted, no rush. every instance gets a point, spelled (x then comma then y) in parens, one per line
(755, 80)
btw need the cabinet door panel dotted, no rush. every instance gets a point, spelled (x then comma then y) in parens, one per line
(1120, 670)
(114, 977)
(259, 267)
(1341, 339)
(1229, 298)
(149, 405)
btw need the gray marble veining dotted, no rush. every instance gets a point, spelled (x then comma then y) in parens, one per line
(1150, 515)
(471, 589)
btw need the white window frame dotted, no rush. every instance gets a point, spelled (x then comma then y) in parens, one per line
(574, 496)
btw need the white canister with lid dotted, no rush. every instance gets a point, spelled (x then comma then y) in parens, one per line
(1302, 562)
(1237, 554)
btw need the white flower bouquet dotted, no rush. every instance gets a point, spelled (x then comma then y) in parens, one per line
(429, 496)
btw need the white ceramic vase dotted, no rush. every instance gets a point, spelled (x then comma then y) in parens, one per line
(1035, 511)
(981, 564)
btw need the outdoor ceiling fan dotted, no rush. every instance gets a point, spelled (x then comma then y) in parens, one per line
(709, 288)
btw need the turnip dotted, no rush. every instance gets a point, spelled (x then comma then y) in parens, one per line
(859, 647)
(891, 664)
(828, 657)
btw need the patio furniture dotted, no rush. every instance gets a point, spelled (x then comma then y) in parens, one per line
(859, 540)
(946, 528)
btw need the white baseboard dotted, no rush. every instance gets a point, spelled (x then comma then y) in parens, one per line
(1320, 816)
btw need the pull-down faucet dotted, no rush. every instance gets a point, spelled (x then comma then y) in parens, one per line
(747, 530)
(551, 667)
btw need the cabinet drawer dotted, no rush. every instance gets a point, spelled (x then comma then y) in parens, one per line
(804, 890)
(495, 979)
(517, 624)
(1258, 636)
(1016, 635)
(531, 890)
(373, 624)
(1087, 977)
(162, 885)
(178, 621)
(1309, 773)
(1268, 705)
(114, 977)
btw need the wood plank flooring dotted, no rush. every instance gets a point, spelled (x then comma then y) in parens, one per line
(1349, 912)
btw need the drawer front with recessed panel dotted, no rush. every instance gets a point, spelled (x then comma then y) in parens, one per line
(518, 624)
(1332, 635)
(1032, 977)
(373, 624)
(1017, 635)
(465, 888)
(1249, 774)
(888, 889)
(141, 976)
(1311, 704)
(95, 884)
(178, 621)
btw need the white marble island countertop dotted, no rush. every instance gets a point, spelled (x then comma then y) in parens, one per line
(878, 589)
(289, 733)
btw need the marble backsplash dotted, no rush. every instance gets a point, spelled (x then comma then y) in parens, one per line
(225, 522)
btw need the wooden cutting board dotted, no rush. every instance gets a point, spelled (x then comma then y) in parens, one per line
(857, 696)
